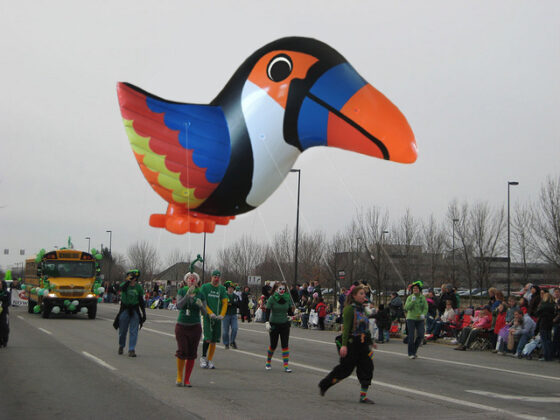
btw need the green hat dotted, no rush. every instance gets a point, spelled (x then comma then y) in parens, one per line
(228, 284)
(216, 273)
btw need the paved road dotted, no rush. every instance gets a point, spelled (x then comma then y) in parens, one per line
(69, 367)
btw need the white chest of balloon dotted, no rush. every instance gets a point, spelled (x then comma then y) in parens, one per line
(272, 156)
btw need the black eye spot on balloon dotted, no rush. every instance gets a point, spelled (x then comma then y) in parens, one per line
(279, 68)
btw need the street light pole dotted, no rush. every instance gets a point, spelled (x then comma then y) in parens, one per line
(453, 252)
(88, 242)
(297, 225)
(508, 241)
(110, 232)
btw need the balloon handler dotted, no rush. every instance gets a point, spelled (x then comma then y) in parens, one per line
(129, 316)
(5, 301)
(216, 299)
(190, 303)
(355, 346)
(279, 310)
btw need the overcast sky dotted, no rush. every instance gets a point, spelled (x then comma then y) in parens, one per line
(477, 81)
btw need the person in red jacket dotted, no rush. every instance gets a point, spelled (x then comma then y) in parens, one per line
(469, 334)
(321, 310)
(499, 318)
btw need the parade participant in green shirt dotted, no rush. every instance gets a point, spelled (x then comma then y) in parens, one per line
(278, 307)
(215, 296)
(416, 308)
(356, 346)
(129, 318)
(190, 303)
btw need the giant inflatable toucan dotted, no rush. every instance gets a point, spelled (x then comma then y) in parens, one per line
(212, 162)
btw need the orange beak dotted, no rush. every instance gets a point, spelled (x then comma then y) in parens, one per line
(342, 110)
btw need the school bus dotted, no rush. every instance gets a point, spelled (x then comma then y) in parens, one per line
(68, 275)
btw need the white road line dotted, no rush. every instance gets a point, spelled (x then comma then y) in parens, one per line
(515, 397)
(381, 384)
(20, 317)
(45, 331)
(453, 362)
(98, 360)
(158, 332)
(409, 390)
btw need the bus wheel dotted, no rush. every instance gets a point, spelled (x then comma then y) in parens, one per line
(46, 310)
(92, 311)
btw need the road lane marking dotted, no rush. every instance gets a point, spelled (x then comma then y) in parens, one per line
(20, 317)
(453, 362)
(515, 397)
(45, 331)
(158, 332)
(407, 390)
(98, 360)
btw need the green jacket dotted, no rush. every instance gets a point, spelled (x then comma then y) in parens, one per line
(416, 307)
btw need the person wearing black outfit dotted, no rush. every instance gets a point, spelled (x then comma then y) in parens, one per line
(244, 310)
(446, 294)
(355, 347)
(383, 321)
(535, 301)
(5, 301)
(545, 314)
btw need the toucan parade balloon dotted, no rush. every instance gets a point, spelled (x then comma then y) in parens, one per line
(212, 162)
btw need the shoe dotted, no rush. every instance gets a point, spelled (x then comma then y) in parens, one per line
(287, 370)
(234, 346)
(179, 384)
(120, 350)
(541, 359)
(454, 341)
(203, 363)
(131, 353)
(494, 351)
(268, 367)
(501, 353)
(411, 357)
(366, 401)
(226, 347)
(322, 391)
(461, 348)
(211, 365)
(187, 385)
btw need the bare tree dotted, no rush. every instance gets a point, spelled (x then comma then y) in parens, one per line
(371, 225)
(521, 231)
(546, 223)
(433, 236)
(239, 260)
(310, 256)
(407, 248)
(486, 229)
(462, 231)
(176, 256)
(144, 257)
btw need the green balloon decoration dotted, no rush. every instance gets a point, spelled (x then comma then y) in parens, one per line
(66, 303)
(99, 300)
(36, 309)
(45, 292)
(8, 275)
(56, 310)
(71, 307)
(22, 286)
(93, 251)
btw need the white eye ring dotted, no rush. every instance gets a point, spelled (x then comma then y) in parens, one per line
(276, 60)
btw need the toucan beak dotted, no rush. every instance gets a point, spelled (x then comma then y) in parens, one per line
(342, 110)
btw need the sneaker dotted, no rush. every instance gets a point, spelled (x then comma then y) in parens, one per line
(366, 401)
(187, 385)
(495, 351)
(226, 347)
(411, 357)
(461, 348)
(179, 383)
(131, 353)
(120, 350)
(234, 346)
(322, 391)
(454, 341)
(501, 353)
(287, 370)
(267, 367)
(211, 365)
(203, 363)
(541, 359)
